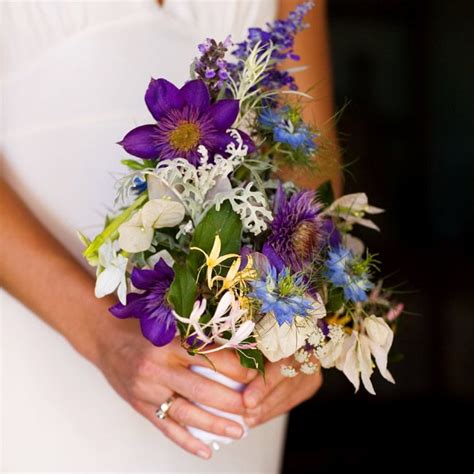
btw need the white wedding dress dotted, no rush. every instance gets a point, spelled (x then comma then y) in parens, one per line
(73, 78)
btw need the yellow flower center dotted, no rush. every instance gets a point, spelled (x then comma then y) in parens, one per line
(185, 136)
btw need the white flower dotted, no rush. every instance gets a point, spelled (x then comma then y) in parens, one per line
(355, 359)
(354, 244)
(288, 371)
(277, 342)
(112, 276)
(329, 352)
(309, 368)
(162, 254)
(352, 208)
(302, 356)
(225, 319)
(136, 234)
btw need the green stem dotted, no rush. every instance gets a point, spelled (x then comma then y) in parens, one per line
(94, 246)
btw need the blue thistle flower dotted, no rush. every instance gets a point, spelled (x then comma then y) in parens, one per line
(282, 294)
(288, 128)
(348, 272)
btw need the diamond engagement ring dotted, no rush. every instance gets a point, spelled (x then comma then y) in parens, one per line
(161, 413)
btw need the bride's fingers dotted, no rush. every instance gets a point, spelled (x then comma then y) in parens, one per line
(201, 390)
(260, 387)
(174, 431)
(226, 363)
(286, 396)
(189, 414)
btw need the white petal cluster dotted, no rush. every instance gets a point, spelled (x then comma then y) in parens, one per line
(353, 353)
(352, 208)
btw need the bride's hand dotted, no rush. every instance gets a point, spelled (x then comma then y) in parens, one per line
(146, 376)
(276, 394)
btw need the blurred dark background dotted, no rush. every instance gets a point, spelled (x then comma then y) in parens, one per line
(407, 69)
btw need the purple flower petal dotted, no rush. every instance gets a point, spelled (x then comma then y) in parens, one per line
(142, 279)
(159, 330)
(161, 96)
(163, 270)
(224, 113)
(195, 93)
(274, 259)
(132, 309)
(141, 142)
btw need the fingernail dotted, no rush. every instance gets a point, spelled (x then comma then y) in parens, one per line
(252, 399)
(234, 432)
(202, 453)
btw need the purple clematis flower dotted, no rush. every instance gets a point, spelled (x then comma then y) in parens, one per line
(157, 322)
(295, 234)
(185, 119)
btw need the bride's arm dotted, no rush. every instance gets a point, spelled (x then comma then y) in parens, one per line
(38, 271)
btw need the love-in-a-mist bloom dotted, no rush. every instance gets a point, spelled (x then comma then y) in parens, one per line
(295, 231)
(281, 294)
(157, 322)
(348, 272)
(185, 120)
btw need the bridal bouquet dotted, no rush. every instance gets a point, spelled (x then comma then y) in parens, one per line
(209, 246)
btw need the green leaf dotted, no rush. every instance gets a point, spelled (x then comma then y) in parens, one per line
(335, 299)
(137, 165)
(325, 193)
(252, 359)
(182, 292)
(91, 251)
(223, 222)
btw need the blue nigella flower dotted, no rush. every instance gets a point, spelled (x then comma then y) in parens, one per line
(300, 137)
(289, 129)
(282, 294)
(348, 272)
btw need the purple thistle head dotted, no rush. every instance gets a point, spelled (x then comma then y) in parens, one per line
(185, 119)
(157, 322)
(296, 229)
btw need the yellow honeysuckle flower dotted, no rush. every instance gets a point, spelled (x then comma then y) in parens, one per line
(214, 259)
(235, 277)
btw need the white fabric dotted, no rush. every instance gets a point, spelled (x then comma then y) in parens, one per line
(73, 79)
(211, 438)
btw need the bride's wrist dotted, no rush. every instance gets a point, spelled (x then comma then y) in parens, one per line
(97, 331)
(110, 335)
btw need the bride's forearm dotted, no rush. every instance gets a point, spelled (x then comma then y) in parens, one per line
(39, 272)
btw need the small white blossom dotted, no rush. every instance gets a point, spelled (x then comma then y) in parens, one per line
(309, 368)
(112, 275)
(288, 371)
(316, 337)
(301, 356)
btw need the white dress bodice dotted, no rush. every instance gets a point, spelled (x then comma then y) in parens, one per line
(73, 77)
